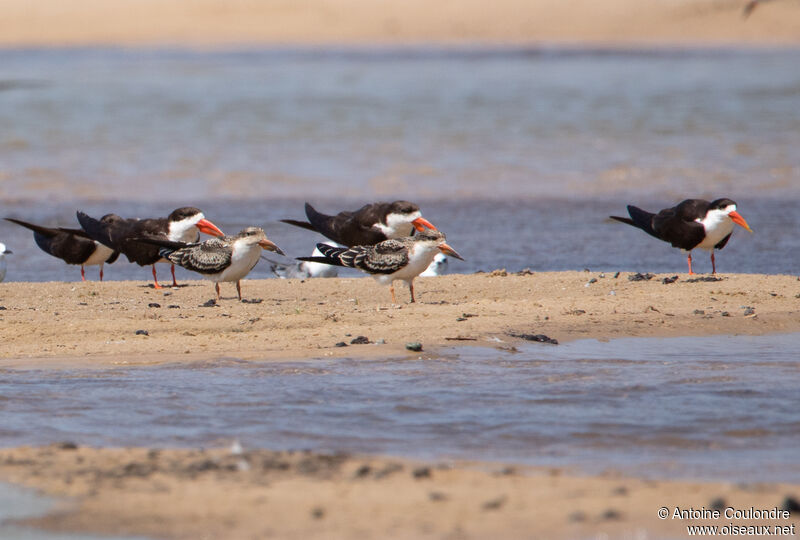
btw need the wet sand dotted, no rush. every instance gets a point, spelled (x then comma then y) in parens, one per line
(210, 23)
(262, 494)
(92, 323)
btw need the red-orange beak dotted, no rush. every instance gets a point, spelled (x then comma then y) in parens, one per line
(270, 246)
(444, 248)
(420, 223)
(207, 227)
(739, 220)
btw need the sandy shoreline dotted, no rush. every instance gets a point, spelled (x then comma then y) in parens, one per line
(171, 493)
(290, 319)
(231, 23)
(263, 494)
(92, 323)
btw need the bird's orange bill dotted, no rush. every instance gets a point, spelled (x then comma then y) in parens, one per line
(444, 248)
(420, 223)
(207, 227)
(268, 245)
(739, 220)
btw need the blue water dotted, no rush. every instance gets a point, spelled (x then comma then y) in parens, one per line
(692, 407)
(519, 155)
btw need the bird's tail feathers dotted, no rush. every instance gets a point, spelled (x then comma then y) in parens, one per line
(44, 231)
(297, 223)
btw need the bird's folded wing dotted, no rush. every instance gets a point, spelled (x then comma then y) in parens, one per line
(210, 257)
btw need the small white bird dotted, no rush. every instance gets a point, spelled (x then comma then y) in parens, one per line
(3, 263)
(400, 259)
(303, 269)
(437, 268)
(229, 258)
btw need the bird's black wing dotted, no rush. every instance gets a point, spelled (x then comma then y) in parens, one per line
(721, 243)
(673, 226)
(102, 232)
(72, 249)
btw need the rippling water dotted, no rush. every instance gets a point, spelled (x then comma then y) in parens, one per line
(418, 123)
(707, 407)
(518, 154)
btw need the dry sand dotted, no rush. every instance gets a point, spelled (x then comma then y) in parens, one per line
(193, 494)
(96, 323)
(213, 23)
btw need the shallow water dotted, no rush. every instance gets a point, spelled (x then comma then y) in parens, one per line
(692, 407)
(422, 123)
(19, 503)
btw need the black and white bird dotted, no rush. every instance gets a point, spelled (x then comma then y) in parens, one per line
(72, 246)
(303, 269)
(229, 258)
(3, 264)
(400, 259)
(692, 224)
(182, 225)
(370, 224)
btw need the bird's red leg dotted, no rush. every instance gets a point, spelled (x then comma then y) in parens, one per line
(391, 288)
(174, 283)
(713, 265)
(83, 274)
(689, 258)
(155, 279)
(101, 272)
(239, 289)
(411, 288)
(216, 286)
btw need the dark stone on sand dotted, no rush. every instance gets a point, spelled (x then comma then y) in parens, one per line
(725, 314)
(3, 308)
(703, 279)
(437, 496)
(341, 344)
(415, 346)
(668, 280)
(318, 512)
(718, 504)
(390, 469)
(641, 277)
(539, 338)
(620, 490)
(699, 312)
(593, 280)
(67, 445)
(142, 333)
(577, 517)
(154, 305)
(460, 319)
(495, 504)
(360, 340)
(362, 471)
(421, 472)
(749, 311)
(252, 301)
(210, 303)
(173, 306)
(791, 504)
(611, 515)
